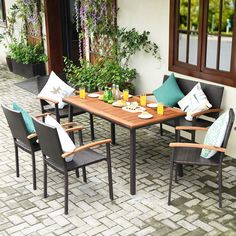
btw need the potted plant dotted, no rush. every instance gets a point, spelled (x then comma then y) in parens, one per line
(7, 36)
(27, 60)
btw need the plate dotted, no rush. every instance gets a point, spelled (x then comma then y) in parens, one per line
(145, 116)
(93, 95)
(130, 96)
(116, 104)
(138, 109)
(152, 105)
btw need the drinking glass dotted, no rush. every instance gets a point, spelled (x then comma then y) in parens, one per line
(125, 94)
(143, 100)
(82, 92)
(160, 109)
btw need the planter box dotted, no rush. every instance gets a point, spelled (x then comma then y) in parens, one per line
(9, 63)
(28, 70)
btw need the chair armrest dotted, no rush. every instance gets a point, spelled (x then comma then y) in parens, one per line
(86, 146)
(48, 99)
(69, 124)
(191, 128)
(149, 94)
(197, 114)
(73, 129)
(31, 136)
(43, 115)
(197, 145)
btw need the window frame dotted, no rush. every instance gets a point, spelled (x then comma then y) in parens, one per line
(3, 21)
(199, 70)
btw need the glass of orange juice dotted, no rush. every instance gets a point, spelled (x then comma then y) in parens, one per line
(125, 94)
(143, 100)
(82, 92)
(160, 109)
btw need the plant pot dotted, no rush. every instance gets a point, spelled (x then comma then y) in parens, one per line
(28, 70)
(9, 63)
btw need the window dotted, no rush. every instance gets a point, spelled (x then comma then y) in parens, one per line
(2, 13)
(202, 39)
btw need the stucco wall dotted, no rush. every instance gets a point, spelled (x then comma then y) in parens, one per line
(153, 15)
(8, 4)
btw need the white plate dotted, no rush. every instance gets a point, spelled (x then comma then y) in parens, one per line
(115, 104)
(138, 109)
(93, 95)
(152, 105)
(130, 96)
(145, 116)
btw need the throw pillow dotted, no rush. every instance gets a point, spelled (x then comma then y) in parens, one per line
(169, 93)
(56, 89)
(215, 135)
(194, 101)
(26, 117)
(66, 143)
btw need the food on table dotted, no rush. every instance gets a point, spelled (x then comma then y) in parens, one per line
(132, 106)
(100, 97)
(120, 103)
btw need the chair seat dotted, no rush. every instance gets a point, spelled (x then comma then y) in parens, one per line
(63, 113)
(80, 159)
(27, 148)
(183, 122)
(191, 156)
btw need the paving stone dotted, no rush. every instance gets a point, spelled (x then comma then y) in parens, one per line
(194, 209)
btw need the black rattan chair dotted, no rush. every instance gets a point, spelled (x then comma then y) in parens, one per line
(83, 156)
(189, 154)
(214, 94)
(46, 106)
(22, 139)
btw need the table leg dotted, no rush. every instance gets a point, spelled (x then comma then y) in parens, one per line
(70, 119)
(133, 161)
(113, 133)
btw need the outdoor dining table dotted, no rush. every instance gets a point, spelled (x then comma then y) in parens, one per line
(128, 120)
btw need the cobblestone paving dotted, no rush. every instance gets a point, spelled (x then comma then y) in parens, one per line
(194, 209)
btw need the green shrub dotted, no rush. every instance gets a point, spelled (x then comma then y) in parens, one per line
(26, 53)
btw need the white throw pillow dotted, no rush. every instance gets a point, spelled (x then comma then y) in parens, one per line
(194, 101)
(66, 143)
(215, 135)
(56, 89)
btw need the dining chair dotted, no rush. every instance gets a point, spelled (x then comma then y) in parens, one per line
(83, 156)
(50, 106)
(189, 154)
(21, 138)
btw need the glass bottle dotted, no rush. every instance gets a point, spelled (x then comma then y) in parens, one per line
(110, 97)
(105, 95)
(117, 93)
(113, 90)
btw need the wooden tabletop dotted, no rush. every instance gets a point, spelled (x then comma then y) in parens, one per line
(118, 116)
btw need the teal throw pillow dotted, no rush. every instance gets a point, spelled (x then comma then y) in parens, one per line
(27, 118)
(169, 93)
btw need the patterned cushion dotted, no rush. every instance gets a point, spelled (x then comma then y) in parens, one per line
(56, 89)
(26, 117)
(169, 93)
(66, 143)
(195, 101)
(215, 135)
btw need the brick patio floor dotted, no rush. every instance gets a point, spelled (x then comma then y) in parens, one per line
(194, 209)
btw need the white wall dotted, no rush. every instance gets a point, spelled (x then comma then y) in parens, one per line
(8, 4)
(153, 15)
